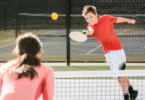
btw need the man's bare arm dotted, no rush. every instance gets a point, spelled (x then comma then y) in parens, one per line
(121, 20)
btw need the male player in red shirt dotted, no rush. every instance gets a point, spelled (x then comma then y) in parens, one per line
(102, 29)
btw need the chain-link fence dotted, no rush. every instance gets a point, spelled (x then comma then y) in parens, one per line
(34, 16)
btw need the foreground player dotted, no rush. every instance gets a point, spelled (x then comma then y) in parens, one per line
(25, 77)
(102, 29)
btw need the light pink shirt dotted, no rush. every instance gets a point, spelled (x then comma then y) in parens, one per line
(25, 88)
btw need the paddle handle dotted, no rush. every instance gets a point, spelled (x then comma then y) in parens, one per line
(84, 33)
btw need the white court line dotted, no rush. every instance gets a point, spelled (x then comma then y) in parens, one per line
(94, 49)
(100, 44)
(122, 32)
(15, 43)
(7, 45)
(12, 43)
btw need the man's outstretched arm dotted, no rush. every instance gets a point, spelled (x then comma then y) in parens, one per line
(121, 20)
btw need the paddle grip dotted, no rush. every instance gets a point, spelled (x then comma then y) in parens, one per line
(84, 33)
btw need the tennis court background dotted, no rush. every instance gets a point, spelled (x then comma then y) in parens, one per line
(34, 16)
(19, 16)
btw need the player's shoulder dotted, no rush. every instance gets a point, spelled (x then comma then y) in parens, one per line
(104, 16)
(46, 68)
(8, 64)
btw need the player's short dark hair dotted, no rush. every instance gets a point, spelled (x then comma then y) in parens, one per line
(88, 9)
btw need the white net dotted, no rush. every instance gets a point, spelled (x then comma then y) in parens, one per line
(96, 85)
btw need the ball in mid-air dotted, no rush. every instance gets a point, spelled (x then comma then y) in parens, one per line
(54, 16)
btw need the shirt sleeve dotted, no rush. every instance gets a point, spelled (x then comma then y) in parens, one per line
(0, 80)
(90, 27)
(48, 87)
(112, 18)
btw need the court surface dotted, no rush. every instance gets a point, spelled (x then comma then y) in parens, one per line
(88, 89)
(57, 45)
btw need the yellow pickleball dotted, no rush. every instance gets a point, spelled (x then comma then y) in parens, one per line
(54, 16)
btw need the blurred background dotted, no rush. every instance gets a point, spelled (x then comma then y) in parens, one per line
(64, 54)
(20, 16)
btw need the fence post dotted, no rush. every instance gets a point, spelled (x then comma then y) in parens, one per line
(68, 30)
(5, 15)
(17, 19)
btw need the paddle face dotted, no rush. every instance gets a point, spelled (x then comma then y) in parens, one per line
(78, 36)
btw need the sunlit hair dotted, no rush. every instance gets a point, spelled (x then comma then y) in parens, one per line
(88, 9)
(28, 46)
(26, 36)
